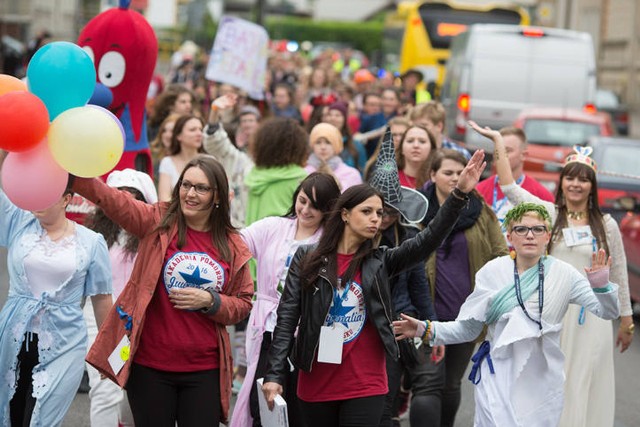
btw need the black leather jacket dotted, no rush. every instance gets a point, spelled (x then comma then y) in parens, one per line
(309, 307)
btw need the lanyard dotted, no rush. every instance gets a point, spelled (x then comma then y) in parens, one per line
(337, 299)
(516, 279)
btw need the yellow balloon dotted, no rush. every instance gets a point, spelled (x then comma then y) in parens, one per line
(86, 141)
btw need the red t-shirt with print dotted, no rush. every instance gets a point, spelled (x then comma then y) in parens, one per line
(362, 372)
(178, 340)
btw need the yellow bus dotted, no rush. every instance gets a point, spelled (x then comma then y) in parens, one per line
(430, 26)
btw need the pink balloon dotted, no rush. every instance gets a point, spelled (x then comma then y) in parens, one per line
(32, 180)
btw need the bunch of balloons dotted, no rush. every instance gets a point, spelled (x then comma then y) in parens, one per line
(84, 140)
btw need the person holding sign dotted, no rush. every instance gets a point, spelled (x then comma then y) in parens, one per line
(53, 265)
(521, 299)
(337, 296)
(579, 228)
(165, 341)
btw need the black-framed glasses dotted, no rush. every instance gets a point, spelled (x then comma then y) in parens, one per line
(523, 230)
(201, 189)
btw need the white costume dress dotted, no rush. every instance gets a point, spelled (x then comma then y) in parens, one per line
(588, 345)
(526, 388)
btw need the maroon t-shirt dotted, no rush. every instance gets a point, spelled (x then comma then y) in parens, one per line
(362, 371)
(178, 340)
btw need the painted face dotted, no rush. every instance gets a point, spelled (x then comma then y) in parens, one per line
(576, 189)
(446, 178)
(416, 146)
(167, 132)
(323, 149)
(183, 104)
(191, 134)
(335, 117)
(196, 196)
(532, 244)
(307, 215)
(364, 220)
(513, 145)
(396, 133)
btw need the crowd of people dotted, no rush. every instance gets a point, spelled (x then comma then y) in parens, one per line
(349, 242)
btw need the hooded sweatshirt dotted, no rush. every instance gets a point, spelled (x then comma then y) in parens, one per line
(271, 190)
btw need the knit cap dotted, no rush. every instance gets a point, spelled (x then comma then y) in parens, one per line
(330, 133)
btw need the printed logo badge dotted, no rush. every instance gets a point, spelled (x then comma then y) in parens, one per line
(348, 309)
(194, 270)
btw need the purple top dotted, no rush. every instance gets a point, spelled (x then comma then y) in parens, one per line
(453, 278)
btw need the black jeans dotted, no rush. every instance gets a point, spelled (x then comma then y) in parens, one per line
(160, 398)
(22, 402)
(289, 388)
(360, 412)
(427, 380)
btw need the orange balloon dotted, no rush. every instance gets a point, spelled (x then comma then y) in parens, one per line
(11, 84)
(24, 121)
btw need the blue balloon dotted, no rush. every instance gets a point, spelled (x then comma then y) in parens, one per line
(62, 75)
(102, 96)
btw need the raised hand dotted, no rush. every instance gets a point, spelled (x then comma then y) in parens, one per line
(225, 101)
(486, 131)
(471, 173)
(599, 261)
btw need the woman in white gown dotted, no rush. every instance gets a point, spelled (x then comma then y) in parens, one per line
(578, 228)
(522, 299)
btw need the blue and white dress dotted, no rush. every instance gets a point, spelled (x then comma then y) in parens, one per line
(54, 314)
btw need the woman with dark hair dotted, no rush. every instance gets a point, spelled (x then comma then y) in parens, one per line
(176, 99)
(337, 296)
(580, 228)
(166, 339)
(273, 241)
(53, 265)
(414, 154)
(451, 270)
(186, 144)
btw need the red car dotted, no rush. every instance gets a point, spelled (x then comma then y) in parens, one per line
(552, 133)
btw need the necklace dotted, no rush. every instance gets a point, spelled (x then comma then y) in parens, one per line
(64, 231)
(577, 215)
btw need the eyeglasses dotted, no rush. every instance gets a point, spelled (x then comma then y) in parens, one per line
(201, 189)
(522, 230)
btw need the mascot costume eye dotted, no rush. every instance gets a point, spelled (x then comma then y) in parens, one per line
(124, 50)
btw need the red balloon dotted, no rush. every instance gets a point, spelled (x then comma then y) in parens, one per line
(25, 121)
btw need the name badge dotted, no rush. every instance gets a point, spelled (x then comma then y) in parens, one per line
(331, 341)
(120, 355)
(577, 236)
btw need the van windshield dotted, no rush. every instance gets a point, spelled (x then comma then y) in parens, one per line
(559, 132)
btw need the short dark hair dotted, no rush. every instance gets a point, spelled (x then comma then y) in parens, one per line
(280, 141)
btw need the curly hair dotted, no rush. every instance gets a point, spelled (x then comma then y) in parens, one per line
(516, 213)
(280, 141)
(165, 101)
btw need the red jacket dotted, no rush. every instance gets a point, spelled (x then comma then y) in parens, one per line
(141, 220)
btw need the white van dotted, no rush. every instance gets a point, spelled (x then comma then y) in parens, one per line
(495, 71)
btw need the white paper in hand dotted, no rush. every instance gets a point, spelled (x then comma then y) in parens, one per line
(276, 418)
(120, 355)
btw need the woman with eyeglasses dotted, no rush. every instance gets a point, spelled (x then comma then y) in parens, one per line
(337, 297)
(475, 239)
(579, 227)
(165, 341)
(521, 299)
